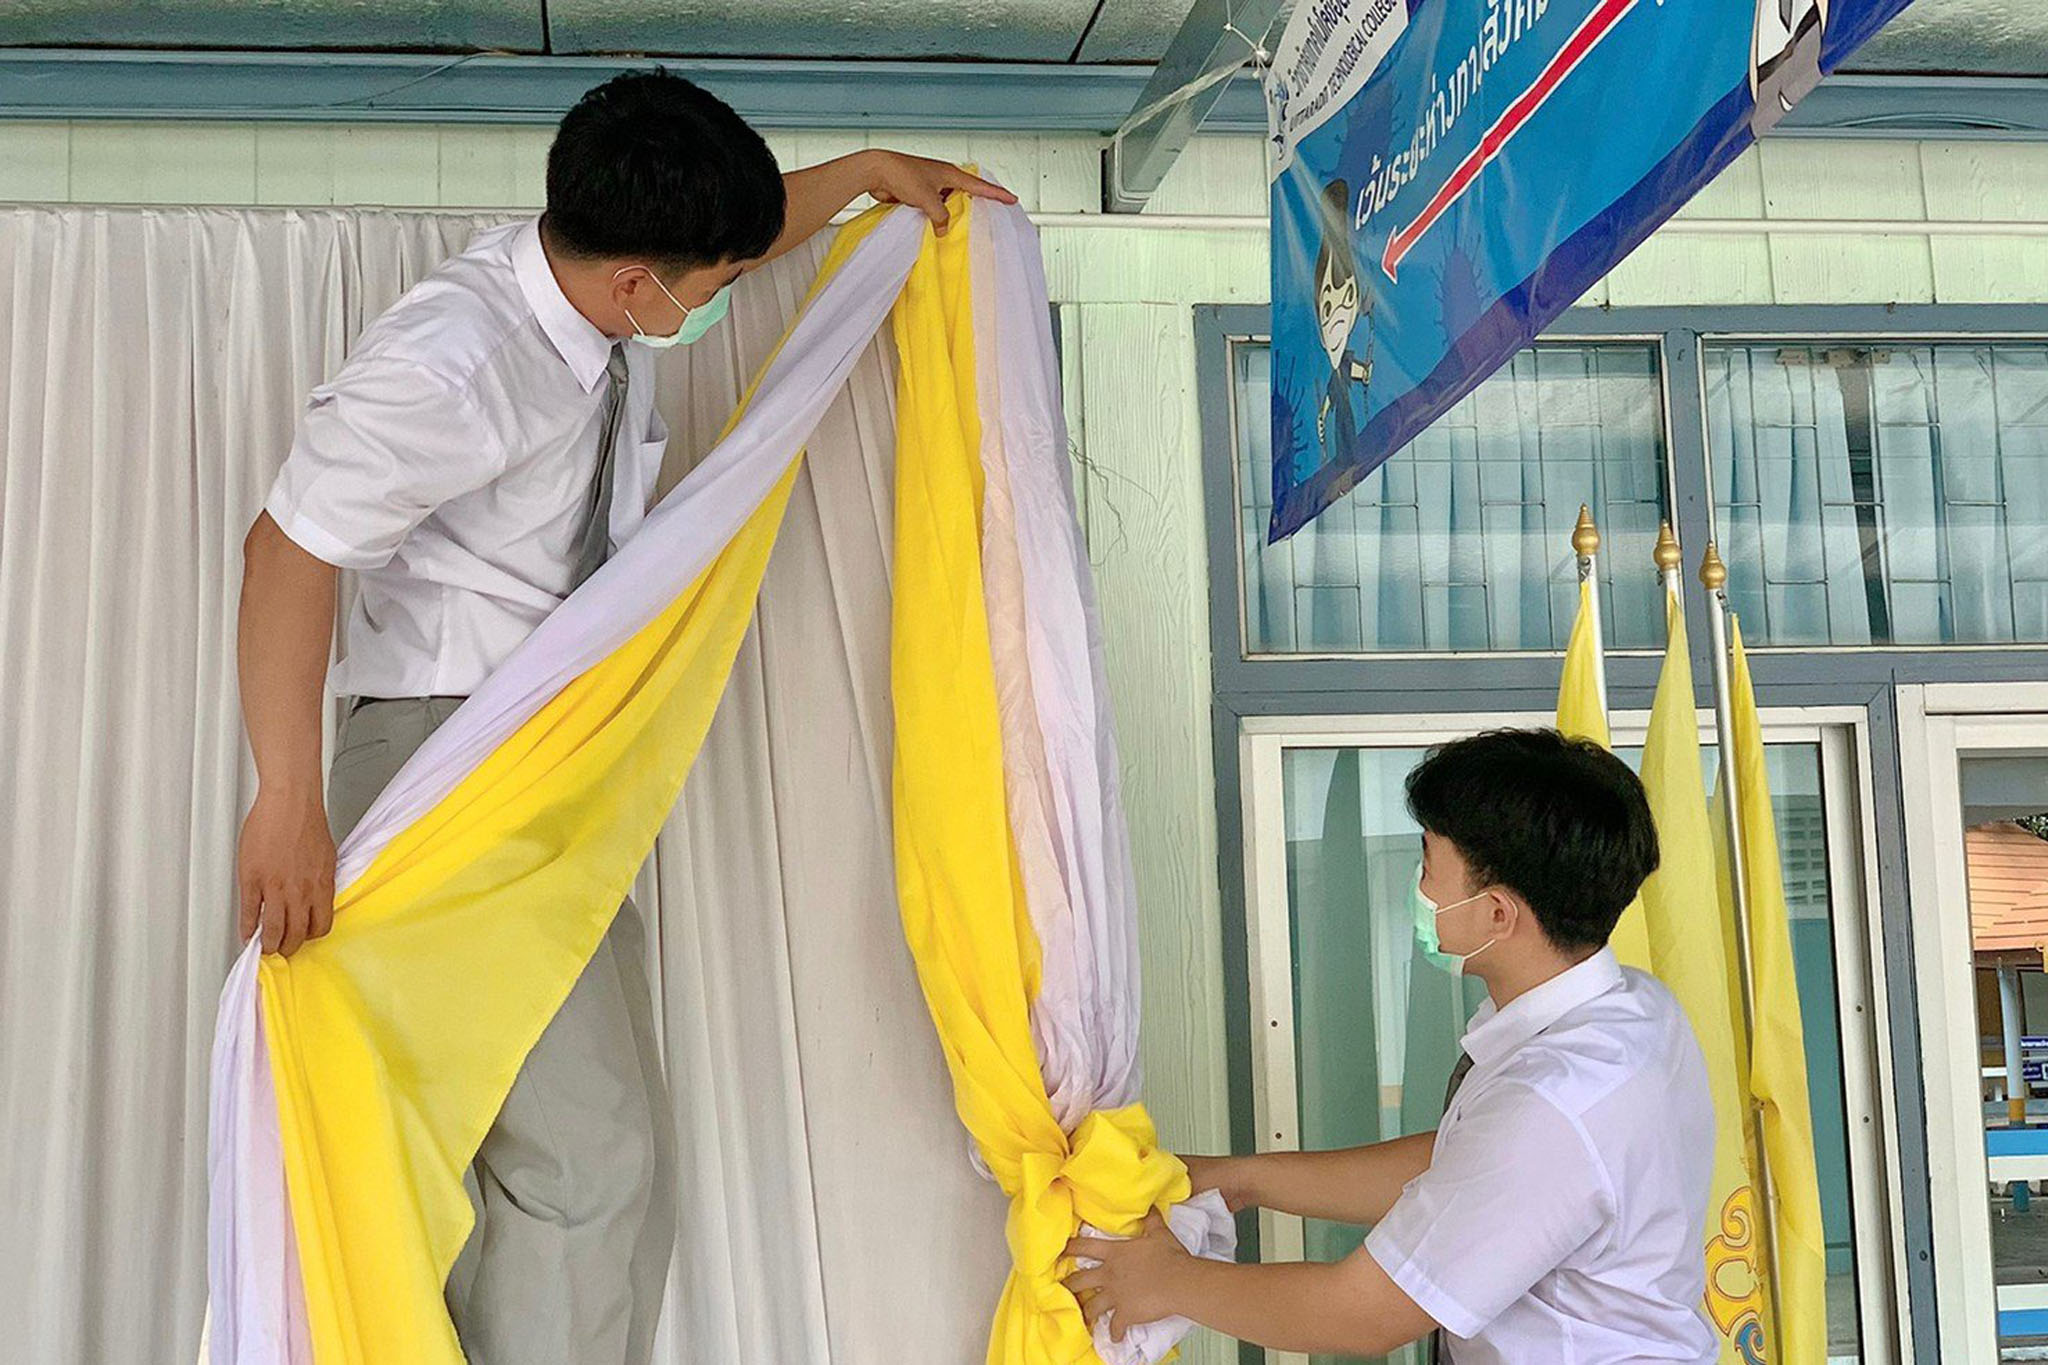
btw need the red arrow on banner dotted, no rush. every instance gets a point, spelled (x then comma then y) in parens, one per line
(1584, 39)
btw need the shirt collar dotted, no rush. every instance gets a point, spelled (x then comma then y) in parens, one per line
(1493, 1033)
(575, 338)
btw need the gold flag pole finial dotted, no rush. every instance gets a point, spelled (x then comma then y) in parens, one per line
(1586, 547)
(1667, 553)
(1713, 573)
(1586, 536)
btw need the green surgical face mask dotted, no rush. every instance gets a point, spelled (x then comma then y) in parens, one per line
(1426, 912)
(696, 321)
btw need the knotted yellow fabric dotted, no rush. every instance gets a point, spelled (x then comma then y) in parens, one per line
(1111, 1166)
(958, 882)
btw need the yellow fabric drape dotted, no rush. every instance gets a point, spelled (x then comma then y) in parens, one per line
(958, 883)
(394, 1040)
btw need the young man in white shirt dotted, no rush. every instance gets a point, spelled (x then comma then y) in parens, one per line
(1557, 1214)
(491, 437)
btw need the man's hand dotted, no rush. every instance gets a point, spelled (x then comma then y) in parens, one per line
(1137, 1282)
(817, 193)
(286, 872)
(898, 178)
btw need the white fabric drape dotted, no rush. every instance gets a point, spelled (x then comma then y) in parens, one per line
(151, 366)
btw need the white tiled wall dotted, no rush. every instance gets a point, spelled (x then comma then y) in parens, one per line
(496, 166)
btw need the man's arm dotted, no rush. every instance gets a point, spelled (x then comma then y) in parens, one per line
(816, 194)
(1356, 1185)
(286, 865)
(1350, 1308)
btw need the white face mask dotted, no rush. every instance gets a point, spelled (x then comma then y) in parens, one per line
(696, 321)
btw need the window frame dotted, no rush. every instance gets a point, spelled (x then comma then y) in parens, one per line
(1681, 334)
(1840, 736)
(1942, 725)
(1565, 335)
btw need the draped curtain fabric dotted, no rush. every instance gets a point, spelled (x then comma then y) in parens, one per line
(151, 366)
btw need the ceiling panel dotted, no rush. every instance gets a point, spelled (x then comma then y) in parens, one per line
(413, 25)
(1008, 31)
(1134, 30)
(2008, 37)
(1976, 37)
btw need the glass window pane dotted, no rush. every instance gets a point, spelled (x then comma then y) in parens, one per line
(1377, 1030)
(2005, 857)
(1798, 803)
(1799, 811)
(1461, 542)
(1877, 495)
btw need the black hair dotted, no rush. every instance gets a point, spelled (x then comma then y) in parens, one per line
(652, 167)
(1560, 822)
(1334, 258)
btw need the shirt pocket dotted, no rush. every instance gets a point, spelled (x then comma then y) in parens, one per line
(637, 482)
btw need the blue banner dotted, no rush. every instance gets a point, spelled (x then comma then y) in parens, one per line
(1450, 175)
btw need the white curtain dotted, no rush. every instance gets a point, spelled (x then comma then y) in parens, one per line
(151, 366)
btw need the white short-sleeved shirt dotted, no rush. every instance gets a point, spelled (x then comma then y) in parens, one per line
(1562, 1215)
(450, 463)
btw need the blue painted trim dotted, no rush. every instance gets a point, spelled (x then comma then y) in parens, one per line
(357, 87)
(2023, 1322)
(2016, 1141)
(1215, 326)
(1691, 494)
(1847, 104)
(1914, 1275)
(1813, 321)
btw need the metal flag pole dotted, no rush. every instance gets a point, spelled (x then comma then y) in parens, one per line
(1714, 578)
(1586, 544)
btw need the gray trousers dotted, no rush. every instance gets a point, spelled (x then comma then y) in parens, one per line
(574, 1185)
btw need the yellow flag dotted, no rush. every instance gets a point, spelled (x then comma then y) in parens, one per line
(1581, 715)
(1777, 1070)
(1690, 953)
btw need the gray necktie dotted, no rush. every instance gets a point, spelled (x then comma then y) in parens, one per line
(1458, 1075)
(594, 543)
(1439, 1350)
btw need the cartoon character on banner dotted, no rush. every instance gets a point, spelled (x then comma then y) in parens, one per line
(1341, 303)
